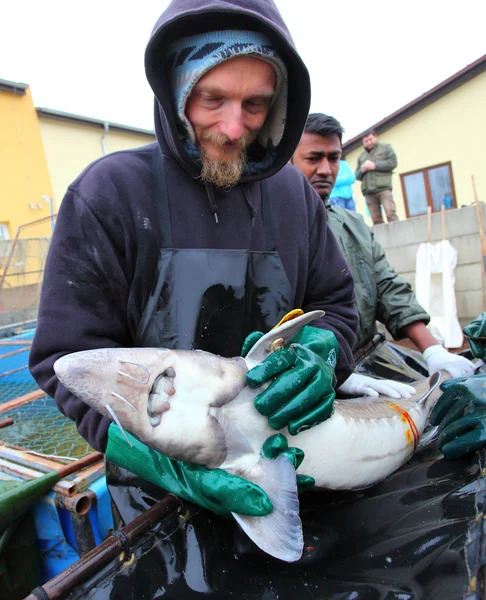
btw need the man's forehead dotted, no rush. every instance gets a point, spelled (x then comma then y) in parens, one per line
(259, 73)
(313, 143)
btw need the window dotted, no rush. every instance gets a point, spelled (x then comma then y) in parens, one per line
(4, 235)
(4, 241)
(432, 186)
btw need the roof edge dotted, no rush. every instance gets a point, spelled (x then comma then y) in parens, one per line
(443, 88)
(15, 87)
(73, 118)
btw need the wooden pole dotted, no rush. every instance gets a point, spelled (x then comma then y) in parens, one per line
(479, 215)
(443, 221)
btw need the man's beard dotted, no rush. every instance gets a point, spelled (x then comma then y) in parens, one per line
(224, 171)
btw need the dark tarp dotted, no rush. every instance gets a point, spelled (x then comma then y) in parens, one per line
(417, 535)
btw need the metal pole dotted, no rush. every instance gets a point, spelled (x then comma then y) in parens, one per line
(61, 585)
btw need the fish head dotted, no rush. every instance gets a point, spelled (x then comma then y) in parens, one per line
(161, 396)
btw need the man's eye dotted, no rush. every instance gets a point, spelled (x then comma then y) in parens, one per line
(211, 100)
(312, 159)
(256, 105)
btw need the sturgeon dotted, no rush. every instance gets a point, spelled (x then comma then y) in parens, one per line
(195, 406)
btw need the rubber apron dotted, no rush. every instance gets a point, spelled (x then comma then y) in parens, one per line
(207, 299)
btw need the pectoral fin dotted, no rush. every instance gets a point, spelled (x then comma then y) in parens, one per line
(279, 533)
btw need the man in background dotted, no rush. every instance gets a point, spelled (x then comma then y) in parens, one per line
(342, 192)
(374, 170)
(381, 294)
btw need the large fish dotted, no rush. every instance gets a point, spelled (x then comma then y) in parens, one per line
(195, 406)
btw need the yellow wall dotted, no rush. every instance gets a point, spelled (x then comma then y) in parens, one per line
(453, 129)
(70, 147)
(24, 176)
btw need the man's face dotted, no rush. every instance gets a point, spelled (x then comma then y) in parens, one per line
(318, 158)
(369, 141)
(227, 108)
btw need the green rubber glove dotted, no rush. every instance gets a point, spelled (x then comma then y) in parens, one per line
(476, 335)
(214, 489)
(302, 393)
(461, 413)
(275, 446)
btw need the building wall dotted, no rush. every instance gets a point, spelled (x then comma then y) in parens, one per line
(401, 240)
(452, 128)
(71, 146)
(24, 176)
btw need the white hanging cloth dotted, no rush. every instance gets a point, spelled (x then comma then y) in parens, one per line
(435, 291)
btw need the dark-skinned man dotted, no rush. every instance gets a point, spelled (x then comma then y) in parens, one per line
(381, 294)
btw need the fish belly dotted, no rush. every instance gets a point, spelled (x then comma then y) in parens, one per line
(342, 453)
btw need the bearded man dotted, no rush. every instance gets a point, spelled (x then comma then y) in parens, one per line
(201, 240)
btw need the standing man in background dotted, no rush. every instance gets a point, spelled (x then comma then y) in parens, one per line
(374, 170)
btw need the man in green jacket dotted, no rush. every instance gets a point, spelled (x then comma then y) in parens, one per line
(374, 170)
(381, 294)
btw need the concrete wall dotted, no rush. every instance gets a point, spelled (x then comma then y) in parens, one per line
(401, 240)
(452, 129)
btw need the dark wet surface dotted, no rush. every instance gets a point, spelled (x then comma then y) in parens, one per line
(417, 535)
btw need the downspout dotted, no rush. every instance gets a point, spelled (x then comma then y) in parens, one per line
(103, 138)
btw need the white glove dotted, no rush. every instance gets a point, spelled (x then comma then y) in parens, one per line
(361, 385)
(438, 358)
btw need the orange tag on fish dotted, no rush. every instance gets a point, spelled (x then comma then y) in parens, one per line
(406, 418)
(297, 312)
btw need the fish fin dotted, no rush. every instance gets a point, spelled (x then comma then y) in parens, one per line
(236, 442)
(286, 332)
(279, 533)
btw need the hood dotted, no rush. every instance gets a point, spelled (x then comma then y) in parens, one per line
(187, 17)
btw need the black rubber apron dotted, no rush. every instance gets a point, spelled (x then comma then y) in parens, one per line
(207, 299)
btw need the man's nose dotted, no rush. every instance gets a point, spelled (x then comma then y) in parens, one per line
(232, 124)
(324, 168)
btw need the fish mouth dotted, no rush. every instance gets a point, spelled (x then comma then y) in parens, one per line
(159, 396)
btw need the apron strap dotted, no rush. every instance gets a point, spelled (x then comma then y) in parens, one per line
(267, 218)
(161, 197)
(162, 203)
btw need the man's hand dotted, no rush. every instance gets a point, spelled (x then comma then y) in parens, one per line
(368, 165)
(213, 489)
(361, 385)
(438, 358)
(461, 413)
(301, 378)
(277, 445)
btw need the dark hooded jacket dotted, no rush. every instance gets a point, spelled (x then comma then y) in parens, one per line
(103, 256)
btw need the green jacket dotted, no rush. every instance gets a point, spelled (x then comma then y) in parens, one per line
(381, 178)
(381, 294)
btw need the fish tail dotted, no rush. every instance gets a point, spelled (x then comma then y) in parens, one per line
(279, 533)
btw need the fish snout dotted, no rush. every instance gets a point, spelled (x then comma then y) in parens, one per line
(66, 368)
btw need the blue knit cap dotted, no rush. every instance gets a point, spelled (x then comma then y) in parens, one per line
(193, 56)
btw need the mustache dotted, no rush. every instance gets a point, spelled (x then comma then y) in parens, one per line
(220, 139)
(322, 180)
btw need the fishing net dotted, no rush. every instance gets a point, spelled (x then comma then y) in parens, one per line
(15, 378)
(40, 427)
(12, 387)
